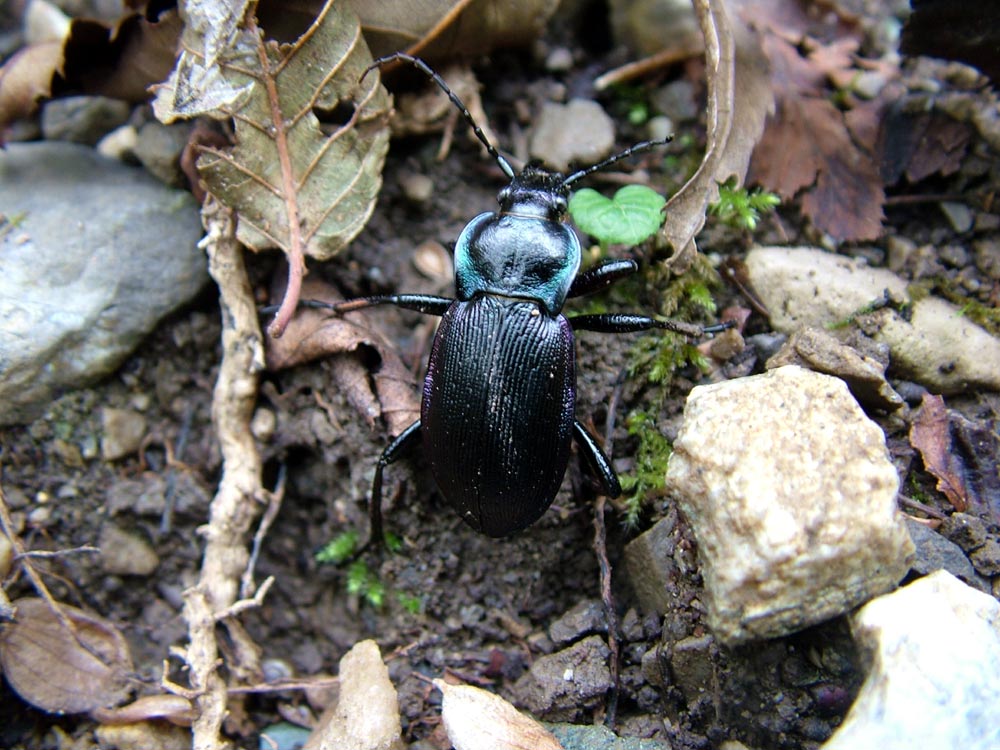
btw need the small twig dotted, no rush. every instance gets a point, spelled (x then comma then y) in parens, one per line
(601, 549)
(646, 65)
(916, 505)
(48, 554)
(274, 499)
(281, 685)
(243, 605)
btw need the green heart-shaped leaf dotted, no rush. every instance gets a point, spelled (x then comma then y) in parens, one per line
(633, 215)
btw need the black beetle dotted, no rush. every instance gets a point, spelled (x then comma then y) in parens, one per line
(497, 415)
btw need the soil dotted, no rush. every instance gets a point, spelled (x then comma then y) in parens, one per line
(485, 605)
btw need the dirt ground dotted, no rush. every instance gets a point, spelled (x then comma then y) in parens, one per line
(457, 601)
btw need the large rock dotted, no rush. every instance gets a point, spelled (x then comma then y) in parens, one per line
(936, 346)
(97, 254)
(934, 681)
(792, 498)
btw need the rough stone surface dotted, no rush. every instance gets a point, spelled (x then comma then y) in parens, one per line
(82, 119)
(937, 347)
(792, 498)
(579, 131)
(564, 685)
(934, 682)
(100, 253)
(599, 737)
(934, 552)
(586, 618)
(652, 570)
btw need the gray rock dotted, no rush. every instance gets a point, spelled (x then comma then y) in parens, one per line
(792, 498)
(934, 683)
(649, 560)
(934, 552)
(937, 346)
(100, 253)
(568, 683)
(599, 737)
(579, 131)
(959, 215)
(586, 618)
(965, 530)
(159, 148)
(693, 665)
(82, 119)
(986, 559)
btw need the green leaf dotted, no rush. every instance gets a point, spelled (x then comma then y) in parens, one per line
(633, 215)
(339, 548)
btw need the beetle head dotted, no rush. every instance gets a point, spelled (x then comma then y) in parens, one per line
(535, 191)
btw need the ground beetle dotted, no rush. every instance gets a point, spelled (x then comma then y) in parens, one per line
(497, 415)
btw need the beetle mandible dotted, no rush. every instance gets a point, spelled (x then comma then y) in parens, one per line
(497, 413)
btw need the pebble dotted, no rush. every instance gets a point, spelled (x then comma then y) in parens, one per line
(124, 553)
(119, 144)
(417, 188)
(934, 680)
(693, 665)
(82, 119)
(568, 683)
(586, 618)
(101, 253)
(577, 132)
(938, 347)
(559, 60)
(791, 496)
(958, 215)
(159, 148)
(123, 431)
(934, 552)
(987, 254)
(677, 101)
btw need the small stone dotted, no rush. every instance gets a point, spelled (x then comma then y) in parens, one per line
(159, 148)
(559, 60)
(124, 553)
(123, 431)
(82, 119)
(986, 222)
(987, 254)
(417, 188)
(692, 665)
(653, 573)
(119, 144)
(586, 618)
(986, 559)
(677, 100)
(955, 256)
(434, 262)
(568, 683)
(899, 251)
(659, 128)
(579, 131)
(934, 680)
(599, 737)
(868, 84)
(934, 552)
(967, 531)
(792, 498)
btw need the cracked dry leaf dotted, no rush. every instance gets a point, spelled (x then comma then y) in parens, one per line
(52, 671)
(479, 720)
(739, 100)
(387, 390)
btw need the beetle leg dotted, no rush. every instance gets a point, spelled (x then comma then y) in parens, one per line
(404, 442)
(596, 460)
(624, 323)
(601, 277)
(421, 303)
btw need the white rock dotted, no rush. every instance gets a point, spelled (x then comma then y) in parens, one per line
(938, 347)
(934, 682)
(792, 498)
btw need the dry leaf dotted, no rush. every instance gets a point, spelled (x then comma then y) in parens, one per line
(961, 455)
(120, 61)
(173, 708)
(739, 99)
(479, 720)
(811, 148)
(389, 391)
(51, 670)
(451, 28)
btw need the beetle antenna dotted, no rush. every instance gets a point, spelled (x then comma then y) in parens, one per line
(644, 146)
(426, 69)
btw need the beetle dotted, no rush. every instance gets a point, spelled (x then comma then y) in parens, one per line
(497, 414)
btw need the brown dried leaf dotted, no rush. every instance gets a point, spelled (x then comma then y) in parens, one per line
(120, 61)
(739, 99)
(807, 148)
(51, 670)
(173, 708)
(962, 455)
(451, 28)
(479, 720)
(312, 334)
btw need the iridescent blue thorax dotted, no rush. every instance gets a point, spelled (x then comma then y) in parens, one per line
(526, 250)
